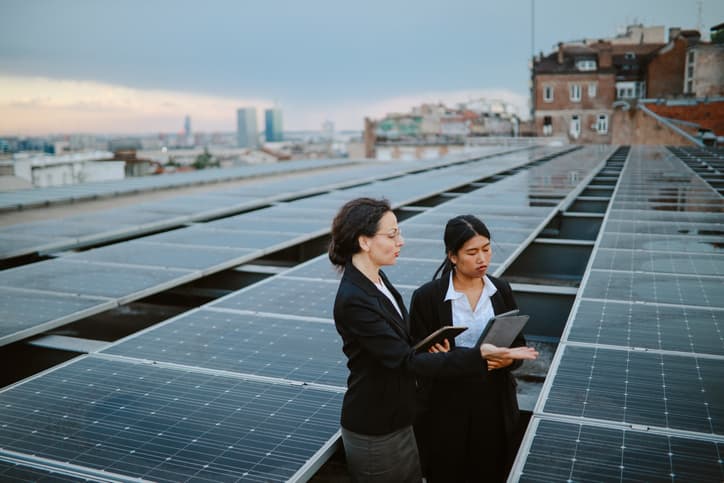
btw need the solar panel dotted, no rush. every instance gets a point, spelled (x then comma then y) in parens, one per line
(162, 255)
(69, 277)
(411, 272)
(639, 387)
(655, 287)
(686, 243)
(282, 295)
(16, 472)
(564, 451)
(247, 222)
(203, 236)
(270, 346)
(668, 262)
(22, 311)
(167, 424)
(664, 227)
(649, 326)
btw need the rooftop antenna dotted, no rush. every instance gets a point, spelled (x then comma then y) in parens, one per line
(699, 26)
(532, 29)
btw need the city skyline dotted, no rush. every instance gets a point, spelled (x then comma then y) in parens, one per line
(67, 69)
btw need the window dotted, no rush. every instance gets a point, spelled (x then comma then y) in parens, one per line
(630, 90)
(575, 130)
(548, 93)
(689, 86)
(629, 55)
(586, 65)
(592, 90)
(691, 56)
(575, 92)
(602, 124)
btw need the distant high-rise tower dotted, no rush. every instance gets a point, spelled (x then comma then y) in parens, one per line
(187, 126)
(273, 125)
(188, 139)
(247, 135)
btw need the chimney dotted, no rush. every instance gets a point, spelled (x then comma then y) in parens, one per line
(674, 33)
(605, 57)
(560, 52)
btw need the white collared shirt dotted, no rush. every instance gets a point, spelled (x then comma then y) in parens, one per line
(462, 314)
(383, 288)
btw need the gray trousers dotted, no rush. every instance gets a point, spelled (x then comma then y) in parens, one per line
(390, 458)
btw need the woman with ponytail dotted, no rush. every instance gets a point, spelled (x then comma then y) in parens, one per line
(379, 406)
(468, 431)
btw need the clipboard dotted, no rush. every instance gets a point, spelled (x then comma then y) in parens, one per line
(502, 329)
(437, 337)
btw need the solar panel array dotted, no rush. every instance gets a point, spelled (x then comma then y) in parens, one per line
(135, 220)
(635, 390)
(23, 199)
(706, 162)
(123, 272)
(247, 387)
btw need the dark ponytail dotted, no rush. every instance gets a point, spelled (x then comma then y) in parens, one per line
(458, 231)
(357, 217)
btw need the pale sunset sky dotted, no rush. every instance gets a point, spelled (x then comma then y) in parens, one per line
(140, 66)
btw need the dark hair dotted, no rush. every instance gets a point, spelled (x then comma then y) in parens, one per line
(457, 232)
(357, 217)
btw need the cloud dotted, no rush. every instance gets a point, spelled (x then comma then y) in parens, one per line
(93, 107)
(37, 106)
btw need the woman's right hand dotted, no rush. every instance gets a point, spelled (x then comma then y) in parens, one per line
(498, 354)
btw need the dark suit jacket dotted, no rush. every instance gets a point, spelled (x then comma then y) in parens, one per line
(381, 388)
(429, 311)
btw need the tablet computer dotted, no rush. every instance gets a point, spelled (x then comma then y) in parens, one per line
(502, 330)
(437, 337)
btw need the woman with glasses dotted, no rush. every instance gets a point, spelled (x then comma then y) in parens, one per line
(468, 432)
(379, 406)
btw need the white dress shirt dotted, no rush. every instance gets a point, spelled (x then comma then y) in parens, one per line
(383, 288)
(463, 314)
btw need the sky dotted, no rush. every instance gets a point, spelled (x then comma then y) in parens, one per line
(141, 66)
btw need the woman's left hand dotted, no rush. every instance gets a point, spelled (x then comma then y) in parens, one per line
(444, 347)
(498, 363)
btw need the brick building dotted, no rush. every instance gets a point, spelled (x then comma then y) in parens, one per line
(578, 88)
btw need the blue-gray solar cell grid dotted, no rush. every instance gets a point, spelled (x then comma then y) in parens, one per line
(664, 262)
(565, 451)
(165, 424)
(21, 310)
(150, 254)
(649, 326)
(643, 351)
(263, 345)
(81, 278)
(282, 295)
(638, 387)
(16, 473)
(59, 194)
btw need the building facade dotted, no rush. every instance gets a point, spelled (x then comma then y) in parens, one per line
(273, 125)
(576, 89)
(247, 134)
(574, 92)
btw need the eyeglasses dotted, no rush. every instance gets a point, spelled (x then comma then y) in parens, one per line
(393, 235)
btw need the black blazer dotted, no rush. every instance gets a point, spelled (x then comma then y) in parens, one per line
(381, 387)
(429, 311)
